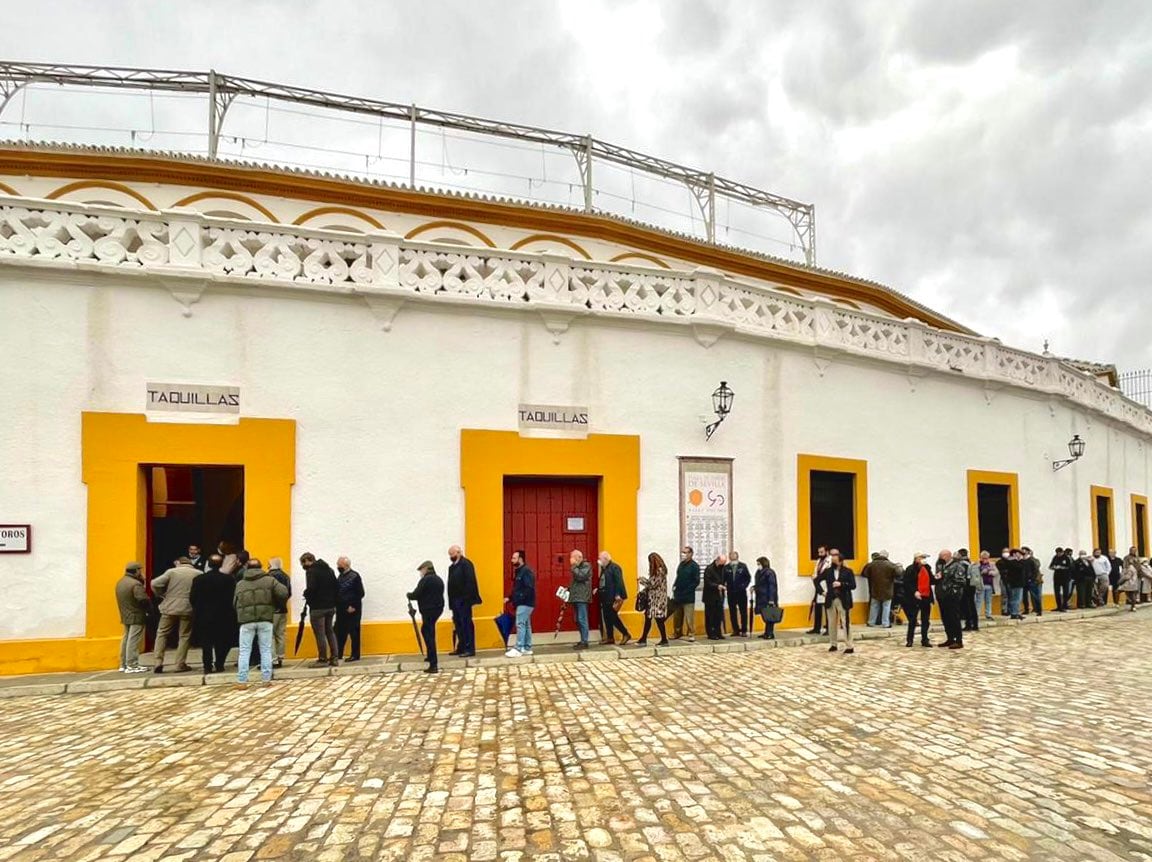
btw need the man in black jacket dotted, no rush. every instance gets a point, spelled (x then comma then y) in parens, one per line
(612, 589)
(321, 592)
(463, 595)
(838, 582)
(737, 579)
(713, 596)
(214, 620)
(349, 608)
(429, 598)
(819, 599)
(1061, 567)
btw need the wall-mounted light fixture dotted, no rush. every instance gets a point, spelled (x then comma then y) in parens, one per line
(1075, 449)
(722, 406)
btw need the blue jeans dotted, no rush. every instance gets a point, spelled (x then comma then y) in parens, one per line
(582, 619)
(1015, 594)
(524, 627)
(262, 632)
(1034, 592)
(988, 601)
(885, 608)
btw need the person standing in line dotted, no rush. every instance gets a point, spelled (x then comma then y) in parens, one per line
(133, 603)
(714, 598)
(523, 599)
(684, 595)
(429, 598)
(1114, 576)
(971, 590)
(1084, 577)
(580, 594)
(656, 599)
(737, 580)
(987, 579)
(838, 583)
(1011, 582)
(280, 618)
(196, 558)
(322, 593)
(463, 595)
(612, 593)
(349, 608)
(767, 593)
(255, 601)
(818, 601)
(174, 589)
(213, 617)
(882, 574)
(1129, 582)
(918, 599)
(1061, 567)
(950, 595)
(1102, 569)
(1033, 582)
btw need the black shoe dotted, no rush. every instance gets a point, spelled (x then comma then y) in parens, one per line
(220, 668)
(431, 670)
(354, 658)
(771, 637)
(832, 649)
(908, 644)
(158, 669)
(849, 651)
(665, 643)
(467, 655)
(454, 652)
(641, 643)
(925, 643)
(278, 663)
(946, 643)
(812, 632)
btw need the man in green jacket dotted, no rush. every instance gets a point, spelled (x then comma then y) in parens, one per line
(257, 597)
(132, 600)
(684, 595)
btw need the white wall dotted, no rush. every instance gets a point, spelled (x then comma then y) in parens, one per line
(379, 415)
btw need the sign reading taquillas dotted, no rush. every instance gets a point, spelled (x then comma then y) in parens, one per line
(192, 398)
(553, 418)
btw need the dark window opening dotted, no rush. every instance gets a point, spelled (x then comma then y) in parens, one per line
(993, 518)
(1103, 523)
(832, 512)
(1141, 530)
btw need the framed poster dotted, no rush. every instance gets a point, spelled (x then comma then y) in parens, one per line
(706, 506)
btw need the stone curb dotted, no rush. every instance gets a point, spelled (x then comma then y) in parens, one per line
(88, 685)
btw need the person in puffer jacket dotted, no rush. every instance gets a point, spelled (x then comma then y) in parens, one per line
(256, 599)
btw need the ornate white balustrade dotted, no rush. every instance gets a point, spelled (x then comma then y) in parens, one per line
(388, 270)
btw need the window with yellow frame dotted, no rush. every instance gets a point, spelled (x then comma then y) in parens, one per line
(993, 512)
(831, 509)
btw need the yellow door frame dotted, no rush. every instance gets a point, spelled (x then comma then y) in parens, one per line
(1094, 492)
(976, 478)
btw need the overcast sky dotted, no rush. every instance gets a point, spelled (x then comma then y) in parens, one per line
(991, 159)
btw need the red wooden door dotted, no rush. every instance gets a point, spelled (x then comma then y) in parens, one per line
(548, 519)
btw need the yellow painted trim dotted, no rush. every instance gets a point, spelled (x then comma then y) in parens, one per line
(228, 196)
(1101, 491)
(989, 477)
(99, 184)
(639, 255)
(551, 237)
(805, 464)
(1142, 500)
(322, 211)
(8, 190)
(454, 225)
(486, 457)
(114, 445)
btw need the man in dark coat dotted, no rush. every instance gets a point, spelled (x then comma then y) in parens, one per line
(133, 603)
(737, 579)
(611, 592)
(713, 596)
(1061, 567)
(819, 599)
(322, 593)
(767, 593)
(429, 598)
(213, 617)
(349, 608)
(463, 595)
(838, 581)
(197, 559)
(684, 595)
(950, 594)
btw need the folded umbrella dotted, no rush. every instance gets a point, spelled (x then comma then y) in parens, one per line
(415, 628)
(506, 623)
(300, 629)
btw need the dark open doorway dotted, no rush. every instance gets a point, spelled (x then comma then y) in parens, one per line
(189, 505)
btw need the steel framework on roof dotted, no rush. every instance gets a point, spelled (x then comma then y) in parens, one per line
(222, 90)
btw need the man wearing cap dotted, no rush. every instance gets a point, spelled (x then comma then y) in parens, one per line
(918, 598)
(132, 600)
(429, 598)
(174, 589)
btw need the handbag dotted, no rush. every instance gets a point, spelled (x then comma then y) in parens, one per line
(642, 601)
(617, 603)
(773, 614)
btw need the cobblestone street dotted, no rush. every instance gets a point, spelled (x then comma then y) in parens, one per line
(1035, 742)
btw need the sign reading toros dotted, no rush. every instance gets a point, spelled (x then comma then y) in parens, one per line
(552, 418)
(192, 398)
(15, 538)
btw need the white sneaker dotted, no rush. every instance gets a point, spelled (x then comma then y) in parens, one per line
(137, 669)
(513, 653)
(526, 652)
(122, 669)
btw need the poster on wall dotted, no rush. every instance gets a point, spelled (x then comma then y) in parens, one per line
(706, 506)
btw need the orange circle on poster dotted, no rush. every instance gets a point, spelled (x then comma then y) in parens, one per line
(695, 497)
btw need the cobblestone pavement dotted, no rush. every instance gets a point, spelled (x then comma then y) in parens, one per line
(1034, 742)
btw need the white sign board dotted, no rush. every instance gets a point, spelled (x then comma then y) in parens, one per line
(15, 538)
(192, 398)
(549, 417)
(706, 507)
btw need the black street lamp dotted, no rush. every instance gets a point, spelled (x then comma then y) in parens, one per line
(722, 406)
(1075, 449)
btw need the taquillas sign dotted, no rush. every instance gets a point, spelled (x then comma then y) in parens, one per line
(192, 398)
(554, 418)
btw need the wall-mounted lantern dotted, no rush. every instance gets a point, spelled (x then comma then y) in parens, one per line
(1075, 449)
(721, 406)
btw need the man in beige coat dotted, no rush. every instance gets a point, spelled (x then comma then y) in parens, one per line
(174, 589)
